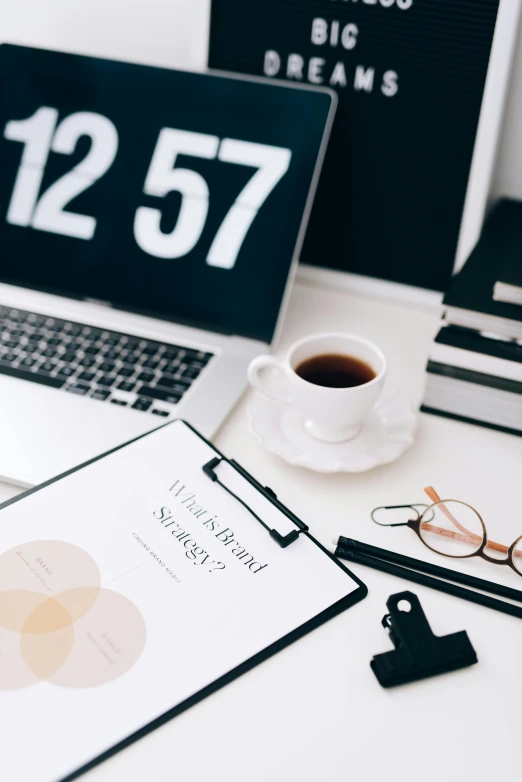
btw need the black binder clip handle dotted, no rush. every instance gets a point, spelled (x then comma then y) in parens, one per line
(418, 652)
(282, 540)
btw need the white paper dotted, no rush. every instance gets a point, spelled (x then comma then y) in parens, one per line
(137, 598)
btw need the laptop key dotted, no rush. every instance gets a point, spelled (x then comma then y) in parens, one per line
(191, 374)
(100, 393)
(125, 372)
(111, 354)
(49, 353)
(10, 357)
(126, 386)
(73, 346)
(87, 362)
(107, 366)
(36, 320)
(34, 377)
(78, 388)
(150, 364)
(172, 397)
(106, 380)
(146, 377)
(67, 371)
(191, 355)
(11, 343)
(176, 384)
(171, 369)
(120, 402)
(87, 376)
(47, 366)
(141, 404)
(163, 413)
(170, 355)
(132, 342)
(28, 362)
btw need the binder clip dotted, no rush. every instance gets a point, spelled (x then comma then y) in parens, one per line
(418, 652)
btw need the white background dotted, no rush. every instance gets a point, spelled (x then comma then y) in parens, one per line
(174, 33)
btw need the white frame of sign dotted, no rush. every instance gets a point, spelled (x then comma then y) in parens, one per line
(484, 156)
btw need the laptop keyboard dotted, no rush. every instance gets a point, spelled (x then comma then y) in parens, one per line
(104, 365)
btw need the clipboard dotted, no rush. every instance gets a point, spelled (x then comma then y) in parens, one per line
(283, 540)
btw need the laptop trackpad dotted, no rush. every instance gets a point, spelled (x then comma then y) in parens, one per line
(44, 433)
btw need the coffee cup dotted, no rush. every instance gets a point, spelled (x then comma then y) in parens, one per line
(333, 379)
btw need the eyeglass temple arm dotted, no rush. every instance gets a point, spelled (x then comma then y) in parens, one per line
(434, 497)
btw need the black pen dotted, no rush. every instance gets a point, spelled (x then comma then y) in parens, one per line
(428, 567)
(355, 554)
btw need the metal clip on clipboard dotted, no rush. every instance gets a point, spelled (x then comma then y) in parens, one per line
(282, 540)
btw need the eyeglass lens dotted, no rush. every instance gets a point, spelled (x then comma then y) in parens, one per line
(453, 528)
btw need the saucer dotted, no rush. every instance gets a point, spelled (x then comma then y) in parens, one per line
(386, 433)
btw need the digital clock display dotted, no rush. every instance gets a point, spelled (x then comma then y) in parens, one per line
(168, 192)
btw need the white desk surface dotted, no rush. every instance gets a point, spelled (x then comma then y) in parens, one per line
(315, 711)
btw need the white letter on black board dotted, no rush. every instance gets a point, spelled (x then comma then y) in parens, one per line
(319, 31)
(389, 84)
(364, 78)
(315, 67)
(294, 68)
(349, 36)
(338, 77)
(272, 63)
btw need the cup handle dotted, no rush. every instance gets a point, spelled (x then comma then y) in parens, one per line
(255, 380)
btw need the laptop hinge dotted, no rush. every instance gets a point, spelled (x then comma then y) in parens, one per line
(99, 302)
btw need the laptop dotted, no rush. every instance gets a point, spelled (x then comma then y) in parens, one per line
(150, 223)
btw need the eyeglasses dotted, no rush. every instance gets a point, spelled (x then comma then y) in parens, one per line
(454, 529)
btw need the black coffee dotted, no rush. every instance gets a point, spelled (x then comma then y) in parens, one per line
(334, 370)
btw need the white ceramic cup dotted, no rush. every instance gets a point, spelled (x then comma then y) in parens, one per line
(330, 414)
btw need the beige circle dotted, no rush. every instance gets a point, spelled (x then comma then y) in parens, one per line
(45, 652)
(56, 623)
(47, 567)
(16, 606)
(14, 673)
(108, 640)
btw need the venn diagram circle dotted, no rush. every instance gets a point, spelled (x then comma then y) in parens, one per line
(58, 624)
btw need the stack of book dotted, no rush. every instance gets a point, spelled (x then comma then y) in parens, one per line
(474, 369)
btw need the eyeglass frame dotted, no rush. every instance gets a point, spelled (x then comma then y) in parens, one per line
(416, 526)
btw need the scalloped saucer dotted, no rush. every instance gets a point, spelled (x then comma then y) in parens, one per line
(386, 434)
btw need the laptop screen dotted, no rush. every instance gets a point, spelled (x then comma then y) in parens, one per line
(176, 194)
